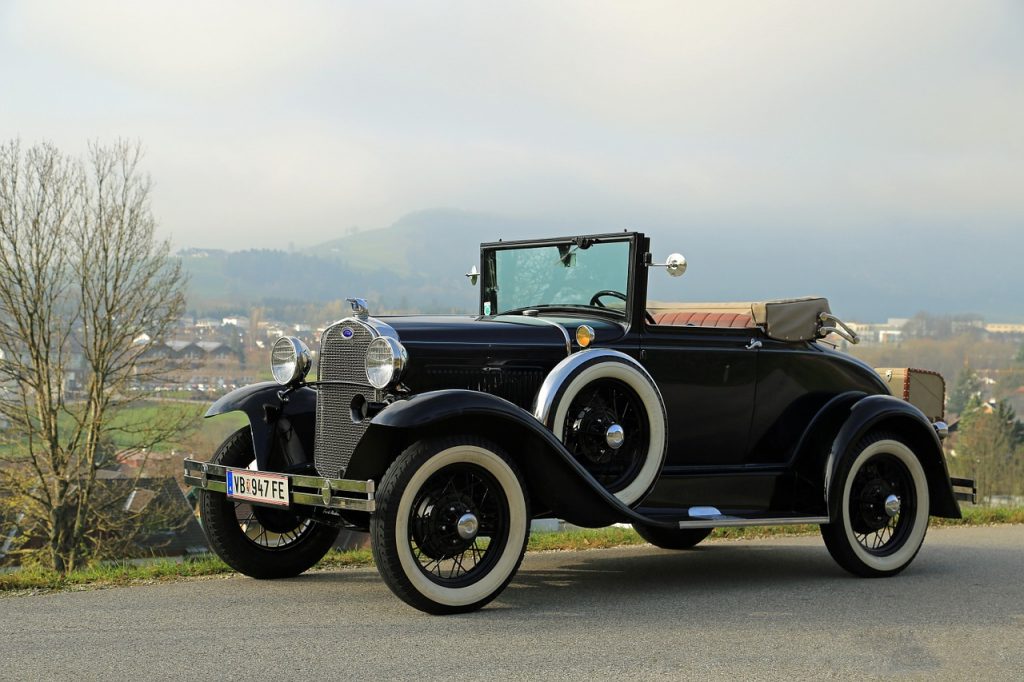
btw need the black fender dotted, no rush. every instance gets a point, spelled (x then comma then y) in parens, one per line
(282, 427)
(899, 417)
(810, 460)
(557, 483)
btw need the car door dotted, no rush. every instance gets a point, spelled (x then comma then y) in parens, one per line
(707, 377)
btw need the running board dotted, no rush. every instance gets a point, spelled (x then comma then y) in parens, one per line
(710, 517)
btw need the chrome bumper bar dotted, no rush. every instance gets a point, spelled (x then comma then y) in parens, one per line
(964, 490)
(313, 491)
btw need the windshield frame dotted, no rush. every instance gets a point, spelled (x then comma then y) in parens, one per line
(488, 263)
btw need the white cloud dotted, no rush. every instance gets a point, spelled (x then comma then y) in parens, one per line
(308, 117)
(189, 45)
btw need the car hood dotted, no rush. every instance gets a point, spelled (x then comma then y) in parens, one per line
(507, 356)
(494, 332)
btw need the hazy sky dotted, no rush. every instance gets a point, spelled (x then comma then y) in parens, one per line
(275, 122)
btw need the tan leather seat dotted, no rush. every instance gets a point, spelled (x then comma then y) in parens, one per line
(793, 319)
(703, 319)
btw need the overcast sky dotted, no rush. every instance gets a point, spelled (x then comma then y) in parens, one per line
(275, 122)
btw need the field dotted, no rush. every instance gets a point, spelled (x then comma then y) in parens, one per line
(128, 428)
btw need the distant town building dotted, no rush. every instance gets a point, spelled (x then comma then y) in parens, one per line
(1004, 328)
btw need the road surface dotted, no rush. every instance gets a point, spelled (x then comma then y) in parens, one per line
(768, 609)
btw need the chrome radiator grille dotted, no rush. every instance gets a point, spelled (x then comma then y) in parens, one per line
(342, 352)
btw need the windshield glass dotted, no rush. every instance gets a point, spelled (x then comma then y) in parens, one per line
(558, 275)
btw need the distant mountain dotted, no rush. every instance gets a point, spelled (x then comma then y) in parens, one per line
(417, 264)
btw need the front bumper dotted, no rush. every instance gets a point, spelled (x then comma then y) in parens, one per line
(311, 491)
(964, 490)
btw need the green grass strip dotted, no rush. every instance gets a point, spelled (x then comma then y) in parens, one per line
(37, 579)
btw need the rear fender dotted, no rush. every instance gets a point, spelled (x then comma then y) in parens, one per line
(556, 481)
(886, 413)
(282, 423)
(811, 456)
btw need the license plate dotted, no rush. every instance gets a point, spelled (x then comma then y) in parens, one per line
(258, 487)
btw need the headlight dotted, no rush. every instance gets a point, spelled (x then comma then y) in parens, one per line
(385, 360)
(290, 360)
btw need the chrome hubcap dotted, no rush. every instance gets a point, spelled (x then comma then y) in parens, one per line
(615, 436)
(468, 526)
(892, 506)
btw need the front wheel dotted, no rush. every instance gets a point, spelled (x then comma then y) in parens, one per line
(451, 524)
(883, 508)
(261, 542)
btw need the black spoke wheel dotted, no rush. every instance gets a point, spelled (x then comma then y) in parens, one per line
(261, 542)
(608, 412)
(457, 492)
(606, 430)
(883, 508)
(271, 529)
(451, 524)
(882, 478)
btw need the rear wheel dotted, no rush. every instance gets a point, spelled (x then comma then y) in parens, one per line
(883, 508)
(672, 538)
(451, 524)
(260, 542)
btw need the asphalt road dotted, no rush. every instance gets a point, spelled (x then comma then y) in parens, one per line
(776, 609)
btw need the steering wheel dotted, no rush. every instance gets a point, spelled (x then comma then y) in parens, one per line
(595, 300)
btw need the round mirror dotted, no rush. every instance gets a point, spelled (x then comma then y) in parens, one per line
(675, 264)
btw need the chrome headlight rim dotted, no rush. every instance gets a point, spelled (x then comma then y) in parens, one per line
(389, 359)
(290, 360)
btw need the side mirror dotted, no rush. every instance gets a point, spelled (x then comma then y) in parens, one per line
(675, 265)
(473, 275)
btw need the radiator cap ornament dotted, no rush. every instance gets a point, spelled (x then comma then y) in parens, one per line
(359, 308)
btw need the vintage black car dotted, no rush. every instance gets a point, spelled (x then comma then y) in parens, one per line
(572, 396)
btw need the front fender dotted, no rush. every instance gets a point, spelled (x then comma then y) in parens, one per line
(282, 429)
(884, 412)
(557, 482)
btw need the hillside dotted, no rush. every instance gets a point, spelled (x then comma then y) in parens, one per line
(417, 264)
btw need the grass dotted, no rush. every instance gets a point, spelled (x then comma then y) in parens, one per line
(108, 575)
(126, 425)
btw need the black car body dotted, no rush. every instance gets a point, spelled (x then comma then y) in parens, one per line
(605, 407)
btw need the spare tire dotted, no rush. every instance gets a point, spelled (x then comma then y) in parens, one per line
(608, 412)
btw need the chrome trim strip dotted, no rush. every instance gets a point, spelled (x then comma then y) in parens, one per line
(565, 333)
(317, 492)
(373, 325)
(544, 406)
(734, 521)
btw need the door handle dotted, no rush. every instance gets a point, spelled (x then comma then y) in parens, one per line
(754, 343)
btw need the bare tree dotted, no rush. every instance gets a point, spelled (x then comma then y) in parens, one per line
(86, 291)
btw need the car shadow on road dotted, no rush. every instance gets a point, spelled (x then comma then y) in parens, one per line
(718, 567)
(744, 581)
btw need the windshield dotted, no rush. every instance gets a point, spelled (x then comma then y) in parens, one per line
(557, 275)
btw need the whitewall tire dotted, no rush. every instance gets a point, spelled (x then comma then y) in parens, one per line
(883, 508)
(590, 403)
(451, 524)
